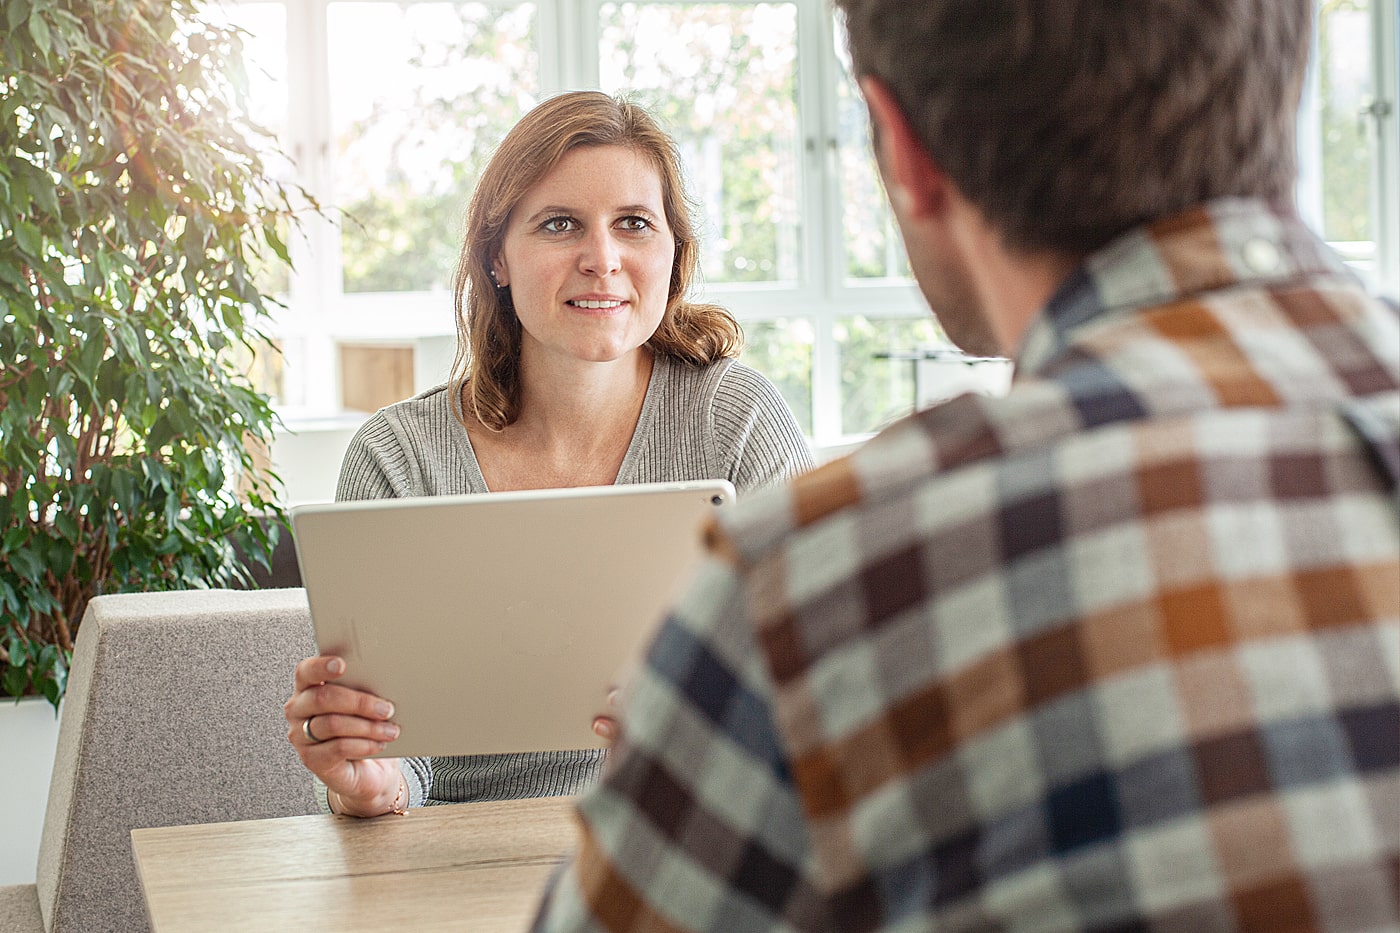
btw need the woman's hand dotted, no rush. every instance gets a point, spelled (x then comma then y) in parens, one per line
(607, 725)
(335, 729)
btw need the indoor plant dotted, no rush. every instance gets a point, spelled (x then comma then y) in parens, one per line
(134, 216)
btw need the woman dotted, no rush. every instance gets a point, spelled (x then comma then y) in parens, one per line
(579, 363)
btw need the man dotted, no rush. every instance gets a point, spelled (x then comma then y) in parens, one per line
(1118, 651)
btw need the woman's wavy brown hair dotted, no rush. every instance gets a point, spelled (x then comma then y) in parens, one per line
(486, 372)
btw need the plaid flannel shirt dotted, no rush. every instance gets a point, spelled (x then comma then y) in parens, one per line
(1118, 651)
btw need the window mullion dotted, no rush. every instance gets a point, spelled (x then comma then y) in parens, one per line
(1385, 188)
(558, 28)
(584, 29)
(568, 45)
(315, 283)
(821, 210)
(1308, 185)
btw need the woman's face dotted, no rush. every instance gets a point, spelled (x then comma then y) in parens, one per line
(587, 255)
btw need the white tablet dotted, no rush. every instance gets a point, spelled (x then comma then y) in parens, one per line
(496, 623)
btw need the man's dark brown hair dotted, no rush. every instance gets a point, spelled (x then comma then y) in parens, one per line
(1066, 122)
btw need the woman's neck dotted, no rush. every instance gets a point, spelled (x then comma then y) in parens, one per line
(570, 401)
(575, 426)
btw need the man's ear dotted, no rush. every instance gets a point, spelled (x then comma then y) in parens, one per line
(915, 184)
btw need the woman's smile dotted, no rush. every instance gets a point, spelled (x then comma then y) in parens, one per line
(597, 304)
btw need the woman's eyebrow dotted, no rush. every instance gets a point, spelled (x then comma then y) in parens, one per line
(550, 210)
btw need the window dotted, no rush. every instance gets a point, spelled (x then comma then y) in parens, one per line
(1347, 137)
(722, 78)
(411, 134)
(796, 238)
(391, 107)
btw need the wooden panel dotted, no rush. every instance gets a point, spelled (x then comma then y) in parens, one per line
(373, 376)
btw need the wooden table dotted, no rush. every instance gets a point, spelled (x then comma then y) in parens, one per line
(478, 866)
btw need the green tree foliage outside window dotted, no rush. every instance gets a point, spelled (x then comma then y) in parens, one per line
(134, 212)
(403, 227)
(876, 390)
(1344, 87)
(781, 349)
(722, 79)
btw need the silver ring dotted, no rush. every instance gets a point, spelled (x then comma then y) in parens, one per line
(306, 731)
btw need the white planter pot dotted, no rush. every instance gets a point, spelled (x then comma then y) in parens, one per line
(28, 738)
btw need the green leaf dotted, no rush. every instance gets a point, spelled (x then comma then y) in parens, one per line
(141, 295)
(51, 671)
(27, 564)
(90, 355)
(40, 31)
(16, 537)
(67, 526)
(15, 681)
(275, 241)
(16, 13)
(60, 558)
(30, 240)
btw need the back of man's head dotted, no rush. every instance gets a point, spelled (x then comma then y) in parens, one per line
(1067, 122)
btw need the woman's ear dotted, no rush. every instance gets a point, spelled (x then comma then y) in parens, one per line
(914, 182)
(499, 276)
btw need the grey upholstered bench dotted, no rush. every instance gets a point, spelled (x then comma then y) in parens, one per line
(173, 716)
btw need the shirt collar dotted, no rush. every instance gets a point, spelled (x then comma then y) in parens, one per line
(1223, 244)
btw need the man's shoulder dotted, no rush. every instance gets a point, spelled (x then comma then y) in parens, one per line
(983, 461)
(932, 446)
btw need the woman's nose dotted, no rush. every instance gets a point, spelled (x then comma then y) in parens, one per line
(600, 254)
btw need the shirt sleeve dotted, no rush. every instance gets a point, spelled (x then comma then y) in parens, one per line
(756, 431)
(696, 824)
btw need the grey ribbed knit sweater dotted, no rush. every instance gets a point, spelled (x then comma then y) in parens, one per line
(723, 421)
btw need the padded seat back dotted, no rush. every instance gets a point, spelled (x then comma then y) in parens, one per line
(173, 716)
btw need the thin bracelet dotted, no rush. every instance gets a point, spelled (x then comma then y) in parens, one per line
(399, 807)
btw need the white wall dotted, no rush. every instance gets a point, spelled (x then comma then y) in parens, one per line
(28, 738)
(307, 455)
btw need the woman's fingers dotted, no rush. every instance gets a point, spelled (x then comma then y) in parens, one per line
(605, 725)
(327, 727)
(605, 728)
(322, 757)
(330, 724)
(330, 745)
(316, 693)
(327, 699)
(318, 670)
(336, 729)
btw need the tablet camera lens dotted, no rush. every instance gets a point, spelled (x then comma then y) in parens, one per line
(717, 499)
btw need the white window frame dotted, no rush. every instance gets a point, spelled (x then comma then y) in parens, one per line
(1385, 33)
(321, 315)
(1384, 128)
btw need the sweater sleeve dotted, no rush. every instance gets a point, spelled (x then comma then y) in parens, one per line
(756, 432)
(371, 461)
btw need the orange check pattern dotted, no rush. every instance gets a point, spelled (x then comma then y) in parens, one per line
(1120, 651)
